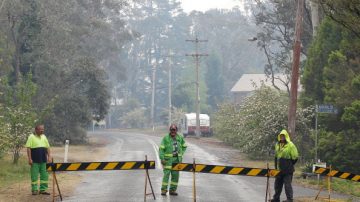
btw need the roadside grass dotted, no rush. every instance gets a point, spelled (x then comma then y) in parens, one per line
(312, 199)
(346, 186)
(337, 185)
(13, 173)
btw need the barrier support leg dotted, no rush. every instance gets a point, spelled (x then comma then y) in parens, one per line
(267, 184)
(194, 183)
(55, 180)
(317, 195)
(329, 183)
(147, 177)
(53, 186)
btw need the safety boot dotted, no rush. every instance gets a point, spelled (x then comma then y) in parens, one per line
(174, 193)
(44, 193)
(163, 192)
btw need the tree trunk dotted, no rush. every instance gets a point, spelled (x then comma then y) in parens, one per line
(16, 57)
(16, 156)
(314, 15)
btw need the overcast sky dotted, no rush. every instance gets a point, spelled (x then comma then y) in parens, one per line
(203, 5)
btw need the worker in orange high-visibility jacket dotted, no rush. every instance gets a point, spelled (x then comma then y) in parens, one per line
(172, 149)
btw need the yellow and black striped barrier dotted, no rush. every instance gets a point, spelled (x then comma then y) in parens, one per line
(228, 170)
(335, 173)
(90, 166)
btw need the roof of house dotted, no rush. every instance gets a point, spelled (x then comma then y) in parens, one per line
(250, 82)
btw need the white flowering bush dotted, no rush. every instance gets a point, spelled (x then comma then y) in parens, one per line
(253, 126)
(4, 137)
(21, 122)
(18, 115)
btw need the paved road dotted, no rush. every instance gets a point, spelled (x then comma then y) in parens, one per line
(129, 185)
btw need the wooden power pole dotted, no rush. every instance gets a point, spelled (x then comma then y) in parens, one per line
(197, 56)
(295, 68)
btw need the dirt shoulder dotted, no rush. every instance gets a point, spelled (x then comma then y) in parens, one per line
(95, 150)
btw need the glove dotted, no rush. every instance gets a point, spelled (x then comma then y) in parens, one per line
(163, 162)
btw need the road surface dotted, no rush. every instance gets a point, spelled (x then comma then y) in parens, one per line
(129, 185)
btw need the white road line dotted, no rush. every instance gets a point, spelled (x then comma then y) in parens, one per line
(156, 148)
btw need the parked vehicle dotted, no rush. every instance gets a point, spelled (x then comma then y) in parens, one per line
(188, 124)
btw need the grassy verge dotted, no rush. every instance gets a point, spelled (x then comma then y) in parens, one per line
(337, 185)
(13, 173)
(346, 186)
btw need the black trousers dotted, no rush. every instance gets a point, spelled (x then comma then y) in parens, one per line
(280, 181)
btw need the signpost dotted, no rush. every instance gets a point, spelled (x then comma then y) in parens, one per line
(325, 109)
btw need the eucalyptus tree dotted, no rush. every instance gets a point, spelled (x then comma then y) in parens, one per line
(345, 13)
(156, 32)
(66, 45)
(21, 25)
(89, 37)
(276, 19)
(214, 79)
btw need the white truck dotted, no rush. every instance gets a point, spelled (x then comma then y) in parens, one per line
(188, 124)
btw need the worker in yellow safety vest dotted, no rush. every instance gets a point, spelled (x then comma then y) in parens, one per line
(172, 149)
(286, 155)
(38, 152)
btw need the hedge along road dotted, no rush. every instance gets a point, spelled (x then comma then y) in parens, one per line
(129, 185)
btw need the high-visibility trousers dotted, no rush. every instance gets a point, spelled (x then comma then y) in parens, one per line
(168, 172)
(36, 169)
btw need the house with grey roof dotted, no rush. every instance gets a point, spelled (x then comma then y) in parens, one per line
(250, 82)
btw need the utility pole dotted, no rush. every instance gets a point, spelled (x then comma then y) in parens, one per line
(169, 72)
(169, 88)
(153, 68)
(197, 56)
(153, 96)
(295, 68)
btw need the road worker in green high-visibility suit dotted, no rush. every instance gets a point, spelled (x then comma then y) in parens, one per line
(172, 149)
